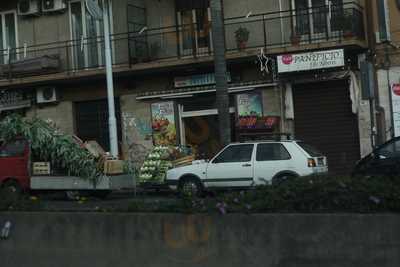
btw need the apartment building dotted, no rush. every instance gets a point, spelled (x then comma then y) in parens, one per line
(292, 63)
(385, 44)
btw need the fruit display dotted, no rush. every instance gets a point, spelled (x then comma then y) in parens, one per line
(158, 162)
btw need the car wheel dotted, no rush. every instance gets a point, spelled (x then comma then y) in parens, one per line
(11, 192)
(190, 187)
(283, 178)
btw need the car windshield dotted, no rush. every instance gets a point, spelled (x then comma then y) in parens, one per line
(312, 151)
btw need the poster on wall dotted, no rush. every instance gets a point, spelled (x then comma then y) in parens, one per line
(249, 109)
(396, 108)
(163, 123)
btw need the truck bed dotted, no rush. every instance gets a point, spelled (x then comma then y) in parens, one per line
(114, 182)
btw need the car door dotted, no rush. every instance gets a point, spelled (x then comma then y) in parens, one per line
(271, 158)
(385, 160)
(232, 167)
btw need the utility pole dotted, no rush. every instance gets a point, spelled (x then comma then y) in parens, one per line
(218, 39)
(96, 12)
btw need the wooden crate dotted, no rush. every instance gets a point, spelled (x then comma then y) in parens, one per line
(113, 167)
(41, 168)
(183, 161)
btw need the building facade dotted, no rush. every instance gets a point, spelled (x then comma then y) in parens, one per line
(293, 67)
(385, 44)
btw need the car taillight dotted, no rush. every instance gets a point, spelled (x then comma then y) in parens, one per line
(311, 163)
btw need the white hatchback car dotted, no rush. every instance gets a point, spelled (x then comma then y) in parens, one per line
(242, 165)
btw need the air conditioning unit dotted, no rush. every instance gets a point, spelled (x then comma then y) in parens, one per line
(28, 7)
(46, 95)
(53, 5)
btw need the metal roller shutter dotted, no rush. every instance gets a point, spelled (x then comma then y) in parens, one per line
(323, 118)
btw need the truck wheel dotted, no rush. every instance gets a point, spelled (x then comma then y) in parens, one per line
(190, 187)
(11, 191)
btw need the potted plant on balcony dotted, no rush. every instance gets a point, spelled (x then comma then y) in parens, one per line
(242, 37)
(295, 38)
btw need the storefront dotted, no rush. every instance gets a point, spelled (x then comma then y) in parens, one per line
(187, 115)
(323, 105)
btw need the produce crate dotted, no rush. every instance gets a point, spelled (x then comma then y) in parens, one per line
(113, 167)
(41, 168)
(184, 161)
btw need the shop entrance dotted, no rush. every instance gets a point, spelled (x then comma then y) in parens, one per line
(324, 119)
(202, 134)
(199, 127)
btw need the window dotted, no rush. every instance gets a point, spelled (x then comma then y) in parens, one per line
(235, 153)
(390, 150)
(8, 36)
(266, 152)
(86, 33)
(15, 149)
(313, 16)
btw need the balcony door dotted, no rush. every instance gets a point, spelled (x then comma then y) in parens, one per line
(8, 37)
(195, 31)
(313, 18)
(86, 35)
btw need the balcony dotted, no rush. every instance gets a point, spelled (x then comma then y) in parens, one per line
(149, 49)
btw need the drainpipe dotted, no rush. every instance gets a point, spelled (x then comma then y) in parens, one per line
(378, 112)
(388, 64)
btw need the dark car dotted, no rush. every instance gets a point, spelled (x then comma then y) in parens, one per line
(384, 161)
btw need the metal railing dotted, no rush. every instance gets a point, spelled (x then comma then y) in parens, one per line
(268, 30)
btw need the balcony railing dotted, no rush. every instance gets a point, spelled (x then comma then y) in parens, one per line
(269, 30)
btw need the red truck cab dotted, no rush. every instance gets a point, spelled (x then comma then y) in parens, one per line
(14, 165)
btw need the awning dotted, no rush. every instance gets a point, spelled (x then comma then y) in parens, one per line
(190, 91)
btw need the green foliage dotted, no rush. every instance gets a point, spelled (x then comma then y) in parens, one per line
(242, 34)
(48, 144)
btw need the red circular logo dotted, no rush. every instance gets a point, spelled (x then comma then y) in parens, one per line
(396, 89)
(287, 59)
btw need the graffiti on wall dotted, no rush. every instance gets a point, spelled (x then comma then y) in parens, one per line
(137, 134)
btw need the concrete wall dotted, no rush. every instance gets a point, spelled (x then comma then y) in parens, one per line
(137, 138)
(60, 113)
(96, 239)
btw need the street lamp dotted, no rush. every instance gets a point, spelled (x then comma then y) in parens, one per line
(97, 13)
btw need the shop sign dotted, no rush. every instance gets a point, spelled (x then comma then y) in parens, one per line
(396, 107)
(260, 123)
(163, 123)
(10, 100)
(197, 80)
(311, 61)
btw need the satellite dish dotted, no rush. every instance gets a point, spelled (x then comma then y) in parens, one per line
(94, 9)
